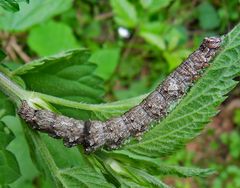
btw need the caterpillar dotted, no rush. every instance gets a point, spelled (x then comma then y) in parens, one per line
(92, 134)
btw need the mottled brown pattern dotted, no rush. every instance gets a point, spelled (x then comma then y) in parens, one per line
(57, 126)
(113, 132)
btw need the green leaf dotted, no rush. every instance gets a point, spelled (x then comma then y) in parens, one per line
(136, 88)
(184, 171)
(6, 107)
(154, 5)
(125, 13)
(2, 55)
(53, 33)
(68, 75)
(71, 69)
(196, 109)
(154, 39)
(207, 16)
(175, 36)
(31, 14)
(8, 164)
(175, 58)
(233, 143)
(155, 27)
(19, 147)
(130, 171)
(8, 167)
(156, 166)
(126, 183)
(106, 60)
(147, 178)
(236, 117)
(83, 177)
(10, 5)
(6, 136)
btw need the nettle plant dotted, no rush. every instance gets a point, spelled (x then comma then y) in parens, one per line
(66, 84)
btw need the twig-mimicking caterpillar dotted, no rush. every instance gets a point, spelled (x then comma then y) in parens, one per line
(113, 132)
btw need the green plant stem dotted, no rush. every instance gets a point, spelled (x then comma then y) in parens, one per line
(86, 106)
(11, 89)
(16, 93)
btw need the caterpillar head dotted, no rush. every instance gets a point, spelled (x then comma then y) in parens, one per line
(212, 42)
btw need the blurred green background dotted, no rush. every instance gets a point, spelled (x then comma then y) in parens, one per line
(136, 44)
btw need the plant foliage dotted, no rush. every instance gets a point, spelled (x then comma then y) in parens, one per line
(11, 5)
(189, 117)
(31, 14)
(137, 164)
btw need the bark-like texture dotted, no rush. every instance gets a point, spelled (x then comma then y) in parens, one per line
(57, 126)
(113, 132)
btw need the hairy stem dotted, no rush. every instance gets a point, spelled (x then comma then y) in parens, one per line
(86, 106)
(11, 89)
